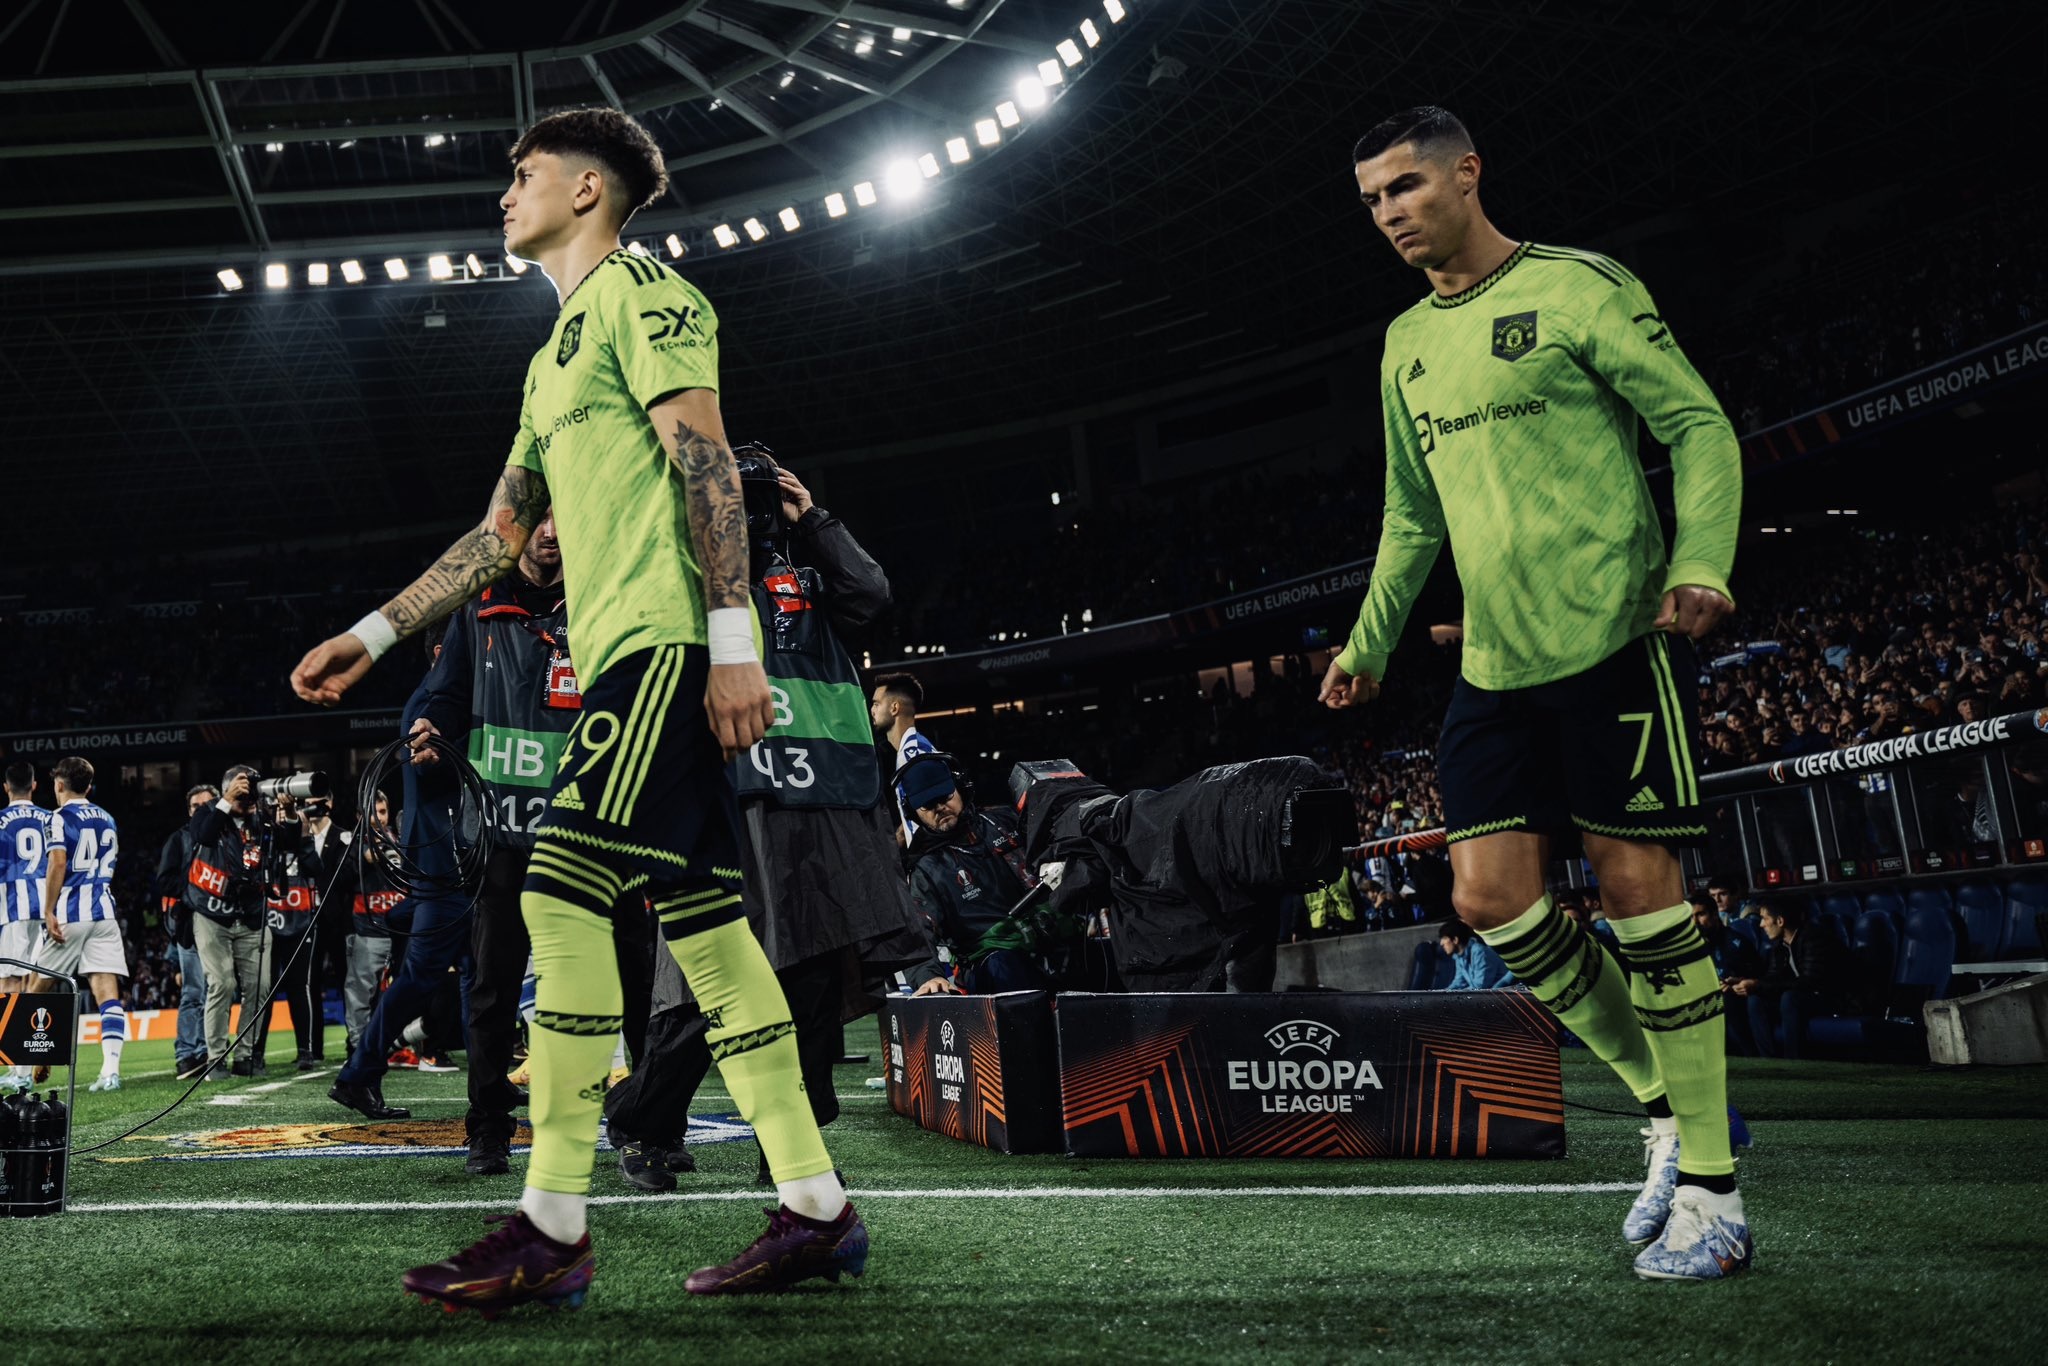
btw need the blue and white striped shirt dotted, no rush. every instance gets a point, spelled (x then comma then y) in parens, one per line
(86, 834)
(24, 859)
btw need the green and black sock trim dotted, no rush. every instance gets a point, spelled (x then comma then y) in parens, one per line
(1560, 962)
(585, 1026)
(751, 1040)
(693, 912)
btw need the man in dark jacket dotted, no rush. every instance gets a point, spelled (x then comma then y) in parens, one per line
(226, 887)
(504, 683)
(971, 873)
(1803, 977)
(821, 892)
(190, 1048)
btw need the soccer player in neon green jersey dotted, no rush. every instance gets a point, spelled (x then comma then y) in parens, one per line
(620, 428)
(1512, 393)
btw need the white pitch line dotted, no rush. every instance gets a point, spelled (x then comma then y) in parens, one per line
(288, 1081)
(962, 1193)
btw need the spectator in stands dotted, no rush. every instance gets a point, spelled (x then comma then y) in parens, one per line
(1734, 961)
(1475, 966)
(892, 710)
(1721, 896)
(1803, 976)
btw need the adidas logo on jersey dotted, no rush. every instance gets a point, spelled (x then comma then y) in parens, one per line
(1416, 371)
(1646, 800)
(569, 799)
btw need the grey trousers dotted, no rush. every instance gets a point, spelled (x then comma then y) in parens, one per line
(367, 956)
(230, 955)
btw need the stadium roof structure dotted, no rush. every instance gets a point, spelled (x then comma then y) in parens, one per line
(1176, 207)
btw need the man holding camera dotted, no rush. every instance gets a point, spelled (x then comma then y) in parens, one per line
(225, 892)
(190, 1047)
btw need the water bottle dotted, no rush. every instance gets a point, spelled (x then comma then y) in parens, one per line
(60, 1150)
(31, 1189)
(7, 1161)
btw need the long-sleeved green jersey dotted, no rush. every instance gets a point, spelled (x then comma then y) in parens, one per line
(1511, 427)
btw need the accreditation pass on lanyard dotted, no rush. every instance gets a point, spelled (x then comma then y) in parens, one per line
(563, 694)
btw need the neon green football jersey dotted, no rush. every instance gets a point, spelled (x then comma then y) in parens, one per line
(630, 335)
(1511, 430)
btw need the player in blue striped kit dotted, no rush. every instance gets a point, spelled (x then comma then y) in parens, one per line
(24, 841)
(81, 934)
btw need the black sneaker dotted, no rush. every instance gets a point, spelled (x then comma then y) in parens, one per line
(489, 1155)
(367, 1101)
(676, 1157)
(307, 1062)
(244, 1068)
(642, 1164)
(189, 1068)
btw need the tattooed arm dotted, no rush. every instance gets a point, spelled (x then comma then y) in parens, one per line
(737, 701)
(480, 558)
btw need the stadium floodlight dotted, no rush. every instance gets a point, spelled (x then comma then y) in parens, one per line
(902, 179)
(473, 265)
(928, 164)
(1090, 34)
(675, 247)
(1031, 93)
(755, 229)
(316, 273)
(276, 275)
(273, 147)
(835, 205)
(1070, 51)
(725, 236)
(956, 150)
(987, 133)
(1055, 498)
(352, 271)
(1114, 9)
(899, 35)
(790, 222)
(518, 266)
(864, 194)
(638, 248)
(230, 279)
(863, 47)
(440, 268)
(433, 140)
(395, 268)
(1049, 73)
(788, 79)
(1007, 115)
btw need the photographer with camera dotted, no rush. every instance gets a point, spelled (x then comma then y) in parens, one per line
(189, 1050)
(227, 890)
(970, 872)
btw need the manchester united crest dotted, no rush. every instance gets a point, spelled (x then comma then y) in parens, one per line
(572, 337)
(1514, 336)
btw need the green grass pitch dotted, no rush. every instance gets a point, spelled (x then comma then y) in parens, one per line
(1897, 1213)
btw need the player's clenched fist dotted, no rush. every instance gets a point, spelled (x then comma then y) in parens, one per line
(738, 704)
(1342, 690)
(330, 669)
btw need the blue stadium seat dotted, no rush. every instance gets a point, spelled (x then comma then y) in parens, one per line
(1928, 899)
(1926, 952)
(1980, 908)
(2025, 900)
(1873, 959)
(1885, 901)
(1840, 907)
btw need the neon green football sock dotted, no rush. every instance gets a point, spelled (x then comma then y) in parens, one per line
(1677, 996)
(1573, 975)
(577, 1007)
(752, 1039)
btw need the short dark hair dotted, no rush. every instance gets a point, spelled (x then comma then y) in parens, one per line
(1455, 930)
(617, 143)
(74, 772)
(904, 686)
(198, 788)
(1793, 913)
(21, 776)
(1433, 129)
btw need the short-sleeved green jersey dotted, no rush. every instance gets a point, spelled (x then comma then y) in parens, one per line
(630, 335)
(1511, 427)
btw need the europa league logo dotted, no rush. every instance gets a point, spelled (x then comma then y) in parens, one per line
(40, 1020)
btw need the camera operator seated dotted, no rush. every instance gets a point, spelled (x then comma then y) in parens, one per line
(225, 891)
(970, 873)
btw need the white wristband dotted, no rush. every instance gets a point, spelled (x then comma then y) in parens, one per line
(376, 634)
(731, 633)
